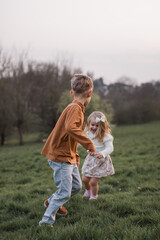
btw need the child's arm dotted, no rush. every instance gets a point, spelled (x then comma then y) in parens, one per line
(108, 147)
(73, 126)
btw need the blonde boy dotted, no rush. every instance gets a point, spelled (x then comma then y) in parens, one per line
(61, 148)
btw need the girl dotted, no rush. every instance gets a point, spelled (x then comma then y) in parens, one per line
(98, 164)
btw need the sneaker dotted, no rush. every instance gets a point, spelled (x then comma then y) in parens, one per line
(62, 211)
(93, 197)
(87, 194)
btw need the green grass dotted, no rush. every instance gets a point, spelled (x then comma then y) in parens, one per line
(128, 206)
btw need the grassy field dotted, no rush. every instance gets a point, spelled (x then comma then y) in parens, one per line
(128, 206)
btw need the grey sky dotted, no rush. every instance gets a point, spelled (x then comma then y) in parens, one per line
(108, 37)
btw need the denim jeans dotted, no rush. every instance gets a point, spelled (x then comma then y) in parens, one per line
(68, 182)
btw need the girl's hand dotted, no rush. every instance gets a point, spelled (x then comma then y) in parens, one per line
(91, 153)
(99, 155)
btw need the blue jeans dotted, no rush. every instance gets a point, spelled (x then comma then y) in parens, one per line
(67, 179)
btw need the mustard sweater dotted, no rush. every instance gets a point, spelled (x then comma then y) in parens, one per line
(62, 143)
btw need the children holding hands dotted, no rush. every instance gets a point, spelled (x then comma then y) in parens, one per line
(61, 150)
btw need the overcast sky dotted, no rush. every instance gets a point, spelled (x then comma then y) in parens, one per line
(110, 38)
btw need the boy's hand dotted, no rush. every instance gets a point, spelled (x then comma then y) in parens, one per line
(99, 155)
(78, 163)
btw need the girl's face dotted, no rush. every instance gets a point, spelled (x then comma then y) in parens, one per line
(93, 126)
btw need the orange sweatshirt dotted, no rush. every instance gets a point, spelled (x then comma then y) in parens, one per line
(62, 143)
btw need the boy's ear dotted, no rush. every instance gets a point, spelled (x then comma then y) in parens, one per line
(71, 93)
(90, 93)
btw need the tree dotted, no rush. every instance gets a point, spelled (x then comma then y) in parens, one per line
(49, 83)
(64, 101)
(96, 104)
(102, 105)
(120, 96)
(21, 92)
(6, 110)
(134, 105)
(6, 113)
(5, 64)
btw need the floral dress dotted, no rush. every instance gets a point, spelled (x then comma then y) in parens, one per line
(94, 167)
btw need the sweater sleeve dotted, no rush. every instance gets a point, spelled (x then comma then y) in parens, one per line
(108, 143)
(73, 126)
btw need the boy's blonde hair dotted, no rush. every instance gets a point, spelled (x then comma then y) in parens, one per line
(103, 127)
(81, 84)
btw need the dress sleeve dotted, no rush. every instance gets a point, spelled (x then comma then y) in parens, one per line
(108, 143)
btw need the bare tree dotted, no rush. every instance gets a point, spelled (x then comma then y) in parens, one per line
(21, 91)
(5, 65)
(134, 105)
(6, 113)
(6, 110)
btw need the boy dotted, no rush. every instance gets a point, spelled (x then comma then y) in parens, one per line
(61, 148)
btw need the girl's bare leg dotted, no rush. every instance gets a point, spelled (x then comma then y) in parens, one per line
(86, 181)
(94, 185)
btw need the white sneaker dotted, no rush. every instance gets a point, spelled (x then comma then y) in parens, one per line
(92, 197)
(87, 194)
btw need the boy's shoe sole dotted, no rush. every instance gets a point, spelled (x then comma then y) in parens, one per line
(62, 211)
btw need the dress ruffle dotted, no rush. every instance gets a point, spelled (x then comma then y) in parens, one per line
(94, 167)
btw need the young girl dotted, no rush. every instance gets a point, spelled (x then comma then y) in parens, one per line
(99, 164)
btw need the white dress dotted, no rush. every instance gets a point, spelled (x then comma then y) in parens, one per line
(94, 167)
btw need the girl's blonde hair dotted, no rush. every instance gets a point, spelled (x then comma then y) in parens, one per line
(103, 127)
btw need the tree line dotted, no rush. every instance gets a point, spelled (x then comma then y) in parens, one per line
(131, 104)
(33, 95)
